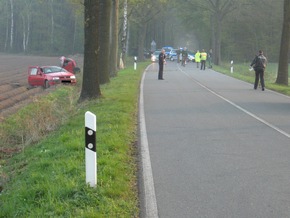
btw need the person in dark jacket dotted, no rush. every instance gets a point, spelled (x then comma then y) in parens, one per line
(184, 55)
(178, 55)
(162, 59)
(259, 65)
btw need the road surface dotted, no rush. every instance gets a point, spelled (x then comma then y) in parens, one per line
(212, 146)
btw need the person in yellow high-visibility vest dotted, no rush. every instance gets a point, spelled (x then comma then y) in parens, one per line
(197, 58)
(203, 56)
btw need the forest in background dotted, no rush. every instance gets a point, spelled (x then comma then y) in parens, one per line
(56, 27)
(41, 27)
(245, 26)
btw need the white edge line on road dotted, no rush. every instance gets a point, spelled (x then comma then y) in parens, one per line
(239, 107)
(149, 191)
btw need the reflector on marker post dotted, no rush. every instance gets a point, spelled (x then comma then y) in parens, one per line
(135, 63)
(91, 148)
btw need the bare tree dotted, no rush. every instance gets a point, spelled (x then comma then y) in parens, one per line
(282, 77)
(90, 86)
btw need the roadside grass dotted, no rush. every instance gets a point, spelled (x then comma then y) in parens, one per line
(242, 72)
(46, 178)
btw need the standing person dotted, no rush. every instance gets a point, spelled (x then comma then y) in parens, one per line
(203, 57)
(162, 58)
(62, 59)
(197, 58)
(259, 65)
(178, 55)
(184, 56)
(210, 58)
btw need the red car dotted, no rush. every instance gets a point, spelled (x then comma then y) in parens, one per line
(69, 64)
(47, 76)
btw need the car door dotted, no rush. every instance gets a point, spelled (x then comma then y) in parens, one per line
(35, 76)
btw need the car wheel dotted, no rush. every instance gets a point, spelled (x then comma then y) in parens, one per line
(46, 84)
(30, 87)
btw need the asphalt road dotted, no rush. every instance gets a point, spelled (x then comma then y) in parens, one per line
(216, 147)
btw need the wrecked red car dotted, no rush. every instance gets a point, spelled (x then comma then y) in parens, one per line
(69, 64)
(47, 76)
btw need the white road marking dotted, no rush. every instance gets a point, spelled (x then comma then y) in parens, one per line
(149, 191)
(238, 107)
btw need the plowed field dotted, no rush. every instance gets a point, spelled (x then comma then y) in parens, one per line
(14, 89)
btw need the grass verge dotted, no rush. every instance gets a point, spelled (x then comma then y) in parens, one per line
(47, 178)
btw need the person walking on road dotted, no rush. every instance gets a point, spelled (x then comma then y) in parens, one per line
(162, 59)
(203, 56)
(259, 65)
(197, 58)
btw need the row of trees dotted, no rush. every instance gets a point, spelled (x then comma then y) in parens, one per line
(234, 29)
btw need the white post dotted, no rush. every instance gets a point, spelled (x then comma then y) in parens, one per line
(135, 63)
(90, 148)
(232, 66)
(121, 62)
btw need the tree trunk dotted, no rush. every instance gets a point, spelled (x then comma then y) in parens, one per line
(7, 28)
(11, 23)
(90, 86)
(124, 35)
(115, 40)
(28, 29)
(212, 40)
(26, 24)
(52, 26)
(216, 20)
(217, 46)
(142, 33)
(282, 77)
(24, 33)
(75, 32)
(104, 41)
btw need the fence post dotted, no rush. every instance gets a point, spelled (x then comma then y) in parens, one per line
(91, 148)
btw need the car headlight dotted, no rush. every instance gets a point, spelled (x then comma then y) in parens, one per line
(72, 77)
(55, 78)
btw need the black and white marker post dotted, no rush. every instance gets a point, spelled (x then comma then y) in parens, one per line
(135, 63)
(90, 149)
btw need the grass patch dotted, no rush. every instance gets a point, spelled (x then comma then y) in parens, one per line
(241, 71)
(47, 176)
